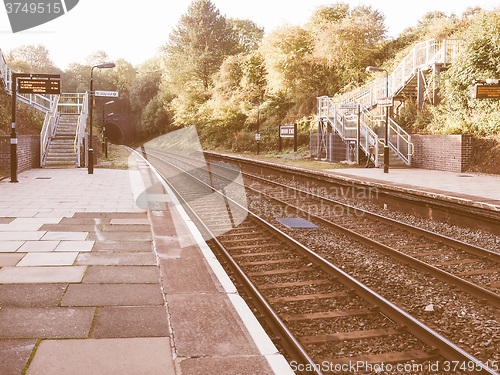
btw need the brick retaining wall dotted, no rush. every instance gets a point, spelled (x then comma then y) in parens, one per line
(28, 152)
(442, 152)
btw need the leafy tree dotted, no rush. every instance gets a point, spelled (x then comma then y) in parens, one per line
(479, 59)
(247, 34)
(146, 84)
(31, 59)
(199, 44)
(348, 39)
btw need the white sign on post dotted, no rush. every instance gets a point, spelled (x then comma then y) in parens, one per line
(108, 94)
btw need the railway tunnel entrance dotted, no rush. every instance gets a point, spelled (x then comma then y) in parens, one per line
(119, 129)
(114, 133)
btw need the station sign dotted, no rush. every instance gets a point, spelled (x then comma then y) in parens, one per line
(39, 86)
(485, 91)
(287, 131)
(107, 94)
(385, 102)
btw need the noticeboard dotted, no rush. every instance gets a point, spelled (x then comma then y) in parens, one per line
(287, 131)
(39, 86)
(485, 92)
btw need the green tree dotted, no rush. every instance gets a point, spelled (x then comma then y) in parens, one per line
(199, 44)
(479, 59)
(31, 59)
(348, 39)
(247, 34)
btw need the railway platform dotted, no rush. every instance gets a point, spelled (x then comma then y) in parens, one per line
(106, 274)
(468, 188)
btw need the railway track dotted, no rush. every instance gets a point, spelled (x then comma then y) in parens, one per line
(321, 314)
(461, 212)
(471, 268)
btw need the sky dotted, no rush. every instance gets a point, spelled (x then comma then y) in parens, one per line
(135, 30)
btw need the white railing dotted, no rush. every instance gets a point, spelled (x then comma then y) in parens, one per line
(53, 106)
(399, 140)
(81, 129)
(352, 126)
(40, 102)
(48, 130)
(423, 56)
(75, 104)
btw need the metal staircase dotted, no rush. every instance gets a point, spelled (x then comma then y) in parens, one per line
(63, 134)
(360, 122)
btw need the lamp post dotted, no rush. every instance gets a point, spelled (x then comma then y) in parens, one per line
(90, 149)
(386, 143)
(258, 124)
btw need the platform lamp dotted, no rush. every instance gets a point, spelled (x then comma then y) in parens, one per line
(386, 143)
(90, 149)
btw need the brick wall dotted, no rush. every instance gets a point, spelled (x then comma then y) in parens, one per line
(442, 152)
(28, 152)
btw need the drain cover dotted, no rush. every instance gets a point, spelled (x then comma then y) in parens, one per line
(296, 223)
(43, 178)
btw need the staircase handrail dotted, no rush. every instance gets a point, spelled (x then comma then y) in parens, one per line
(422, 56)
(80, 129)
(401, 135)
(330, 111)
(48, 130)
(402, 150)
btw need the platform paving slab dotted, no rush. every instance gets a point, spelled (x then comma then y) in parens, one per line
(46, 322)
(112, 295)
(14, 355)
(31, 295)
(10, 246)
(21, 236)
(119, 246)
(30, 275)
(65, 236)
(124, 356)
(250, 365)
(204, 325)
(116, 259)
(131, 321)
(78, 246)
(122, 275)
(48, 259)
(35, 246)
(188, 275)
(10, 259)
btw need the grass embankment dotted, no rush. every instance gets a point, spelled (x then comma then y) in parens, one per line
(299, 159)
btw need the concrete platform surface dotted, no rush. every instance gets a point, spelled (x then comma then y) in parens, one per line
(473, 188)
(90, 283)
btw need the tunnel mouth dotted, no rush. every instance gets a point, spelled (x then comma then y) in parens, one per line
(114, 134)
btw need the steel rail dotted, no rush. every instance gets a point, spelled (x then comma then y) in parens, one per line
(471, 249)
(288, 340)
(474, 290)
(447, 349)
(466, 286)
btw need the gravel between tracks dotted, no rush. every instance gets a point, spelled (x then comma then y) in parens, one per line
(454, 314)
